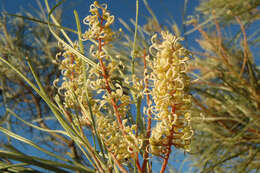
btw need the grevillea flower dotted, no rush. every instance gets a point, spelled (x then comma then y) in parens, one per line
(167, 97)
(99, 26)
(122, 147)
(118, 136)
(72, 83)
(73, 87)
(169, 94)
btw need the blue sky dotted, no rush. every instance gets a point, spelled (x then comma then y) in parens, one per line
(165, 10)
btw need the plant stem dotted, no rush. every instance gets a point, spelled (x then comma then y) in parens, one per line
(166, 158)
(148, 130)
(113, 102)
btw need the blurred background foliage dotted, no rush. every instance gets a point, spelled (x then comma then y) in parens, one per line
(225, 86)
(23, 40)
(227, 89)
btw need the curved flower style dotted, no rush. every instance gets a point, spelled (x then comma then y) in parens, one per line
(122, 147)
(99, 26)
(73, 83)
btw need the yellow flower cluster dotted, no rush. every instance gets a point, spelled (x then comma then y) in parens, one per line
(99, 26)
(169, 103)
(169, 94)
(122, 147)
(73, 86)
(118, 137)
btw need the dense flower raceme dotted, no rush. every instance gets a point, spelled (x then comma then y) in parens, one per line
(169, 93)
(73, 86)
(110, 104)
(120, 139)
(99, 24)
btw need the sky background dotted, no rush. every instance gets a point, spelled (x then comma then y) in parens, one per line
(122, 8)
(165, 10)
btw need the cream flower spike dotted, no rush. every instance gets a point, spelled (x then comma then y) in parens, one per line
(170, 95)
(117, 135)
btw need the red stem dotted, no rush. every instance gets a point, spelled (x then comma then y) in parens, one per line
(148, 130)
(166, 158)
(138, 164)
(115, 106)
(118, 163)
(105, 75)
(245, 45)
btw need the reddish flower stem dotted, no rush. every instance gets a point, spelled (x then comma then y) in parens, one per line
(244, 44)
(148, 130)
(166, 158)
(115, 106)
(106, 77)
(118, 163)
(137, 163)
